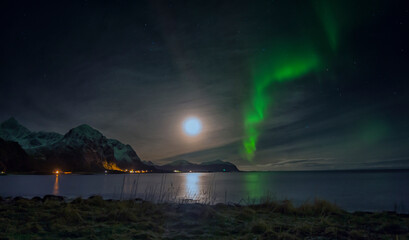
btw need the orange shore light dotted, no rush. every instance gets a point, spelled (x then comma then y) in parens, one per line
(61, 172)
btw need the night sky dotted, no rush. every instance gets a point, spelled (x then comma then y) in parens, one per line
(278, 85)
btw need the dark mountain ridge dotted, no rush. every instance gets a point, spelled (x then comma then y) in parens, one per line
(81, 149)
(13, 157)
(211, 166)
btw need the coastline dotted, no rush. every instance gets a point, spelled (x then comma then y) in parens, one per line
(52, 217)
(239, 171)
(109, 172)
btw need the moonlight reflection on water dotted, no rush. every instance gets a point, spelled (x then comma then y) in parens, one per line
(192, 186)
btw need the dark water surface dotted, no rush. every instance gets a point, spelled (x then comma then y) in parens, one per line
(351, 190)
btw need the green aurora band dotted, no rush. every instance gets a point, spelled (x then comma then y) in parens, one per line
(326, 11)
(294, 57)
(283, 65)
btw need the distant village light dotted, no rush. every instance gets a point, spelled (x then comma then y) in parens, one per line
(61, 172)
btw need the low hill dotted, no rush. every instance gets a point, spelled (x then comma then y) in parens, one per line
(186, 166)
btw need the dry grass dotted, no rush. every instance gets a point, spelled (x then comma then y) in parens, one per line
(95, 218)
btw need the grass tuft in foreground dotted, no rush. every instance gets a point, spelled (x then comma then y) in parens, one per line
(94, 218)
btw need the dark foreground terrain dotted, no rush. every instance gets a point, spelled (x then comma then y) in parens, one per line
(54, 218)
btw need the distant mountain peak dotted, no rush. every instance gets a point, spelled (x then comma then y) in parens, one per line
(217, 161)
(12, 130)
(84, 130)
(179, 163)
(85, 127)
(186, 166)
(11, 120)
(11, 123)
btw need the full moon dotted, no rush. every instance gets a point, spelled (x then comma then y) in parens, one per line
(192, 126)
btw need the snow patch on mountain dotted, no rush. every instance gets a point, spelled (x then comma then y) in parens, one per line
(123, 152)
(11, 130)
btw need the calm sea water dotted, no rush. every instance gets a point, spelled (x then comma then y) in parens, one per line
(352, 190)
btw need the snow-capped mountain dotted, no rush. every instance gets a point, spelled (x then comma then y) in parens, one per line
(123, 152)
(11, 130)
(82, 148)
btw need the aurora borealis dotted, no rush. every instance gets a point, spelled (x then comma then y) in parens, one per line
(328, 16)
(288, 65)
(284, 63)
(277, 85)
